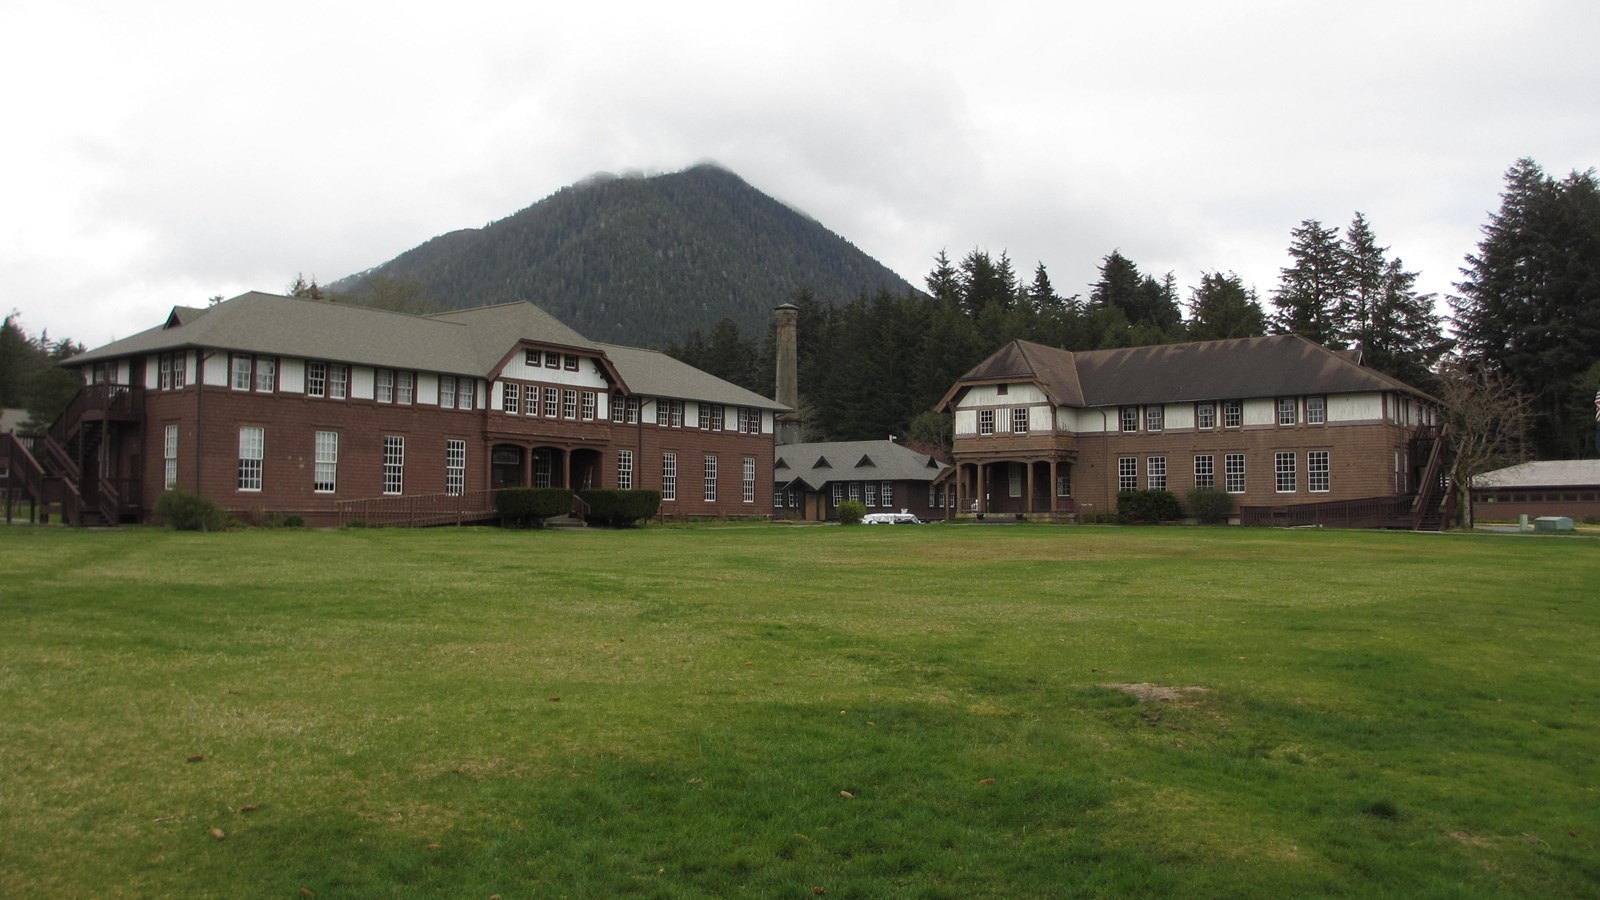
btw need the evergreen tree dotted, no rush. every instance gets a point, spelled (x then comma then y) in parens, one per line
(944, 284)
(1404, 337)
(1222, 307)
(1364, 281)
(1312, 290)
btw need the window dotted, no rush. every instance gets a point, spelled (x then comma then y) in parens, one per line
(676, 418)
(710, 491)
(588, 406)
(552, 402)
(705, 416)
(530, 358)
(1205, 416)
(749, 479)
(252, 449)
(1063, 482)
(510, 397)
(1316, 410)
(1130, 418)
(1318, 472)
(1283, 469)
(663, 409)
(935, 497)
(1205, 471)
(569, 404)
(405, 388)
(871, 493)
(338, 381)
(180, 363)
(1128, 473)
(385, 385)
(169, 458)
(541, 468)
(716, 416)
(633, 410)
(394, 464)
(1014, 479)
(166, 372)
(1232, 414)
(569, 362)
(619, 407)
(1288, 411)
(455, 467)
(1019, 420)
(447, 391)
(1154, 417)
(552, 359)
(172, 365)
(886, 493)
(464, 393)
(266, 374)
(1156, 473)
(325, 478)
(986, 421)
(241, 373)
(855, 490)
(838, 493)
(316, 379)
(624, 470)
(1233, 472)
(749, 421)
(669, 476)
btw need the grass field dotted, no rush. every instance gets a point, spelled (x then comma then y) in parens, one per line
(772, 711)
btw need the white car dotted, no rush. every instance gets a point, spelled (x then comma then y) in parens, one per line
(903, 517)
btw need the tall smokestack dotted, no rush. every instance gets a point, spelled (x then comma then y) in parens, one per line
(788, 382)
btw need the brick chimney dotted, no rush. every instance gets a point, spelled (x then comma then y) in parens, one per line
(788, 383)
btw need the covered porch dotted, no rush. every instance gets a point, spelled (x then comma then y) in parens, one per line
(1036, 486)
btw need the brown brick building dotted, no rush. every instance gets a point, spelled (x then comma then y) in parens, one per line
(1278, 422)
(277, 405)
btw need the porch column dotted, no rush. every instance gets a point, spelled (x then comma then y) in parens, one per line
(527, 467)
(1055, 479)
(1028, 487)
(983, 488)
(566, 469)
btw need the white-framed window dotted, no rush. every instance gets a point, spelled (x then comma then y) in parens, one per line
(1288, 411)
(530, 358)
(749, 479)
(1205, 416)
(986, 421)
(394, 464)
(709, 494)
(886, 493)
(385, 388)
(464, 393)
(455, 467)
(1205, 470)
(1316, 410)
(589, 404)
(1019, 420)
(241, 373)
(1233, 472)
(511, 397)
(316, 379)
(405, 388)
(1154, 417)
(1232, 414)
(675, 418)
(166, 371)
(1319, 478)
(1155, 469)
(338, 381)
(569, 404)
(838, 493)
(1014, 479)
(266, 374)
(1130, 418)
(325, 476)
(1283, 469)
(855, 491)
(541, 469)
(1128, 473)
(569, 362)
(1063, 482)
(624, 470)
(619, 408)
(663, 408)
(935, 497)
(169, 458)
(252, 450)
(633, 410)
(705, 417)
(552, 402)
(447, 391)
(669, 476)
(871, 493)
(552, 359)
(716, 416)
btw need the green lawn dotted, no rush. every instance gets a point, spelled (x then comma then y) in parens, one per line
(767, 711)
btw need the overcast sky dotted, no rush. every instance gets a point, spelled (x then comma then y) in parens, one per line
(158, 153)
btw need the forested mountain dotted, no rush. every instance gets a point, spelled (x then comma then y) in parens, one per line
(639, 260)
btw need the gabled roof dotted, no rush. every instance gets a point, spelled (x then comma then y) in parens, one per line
(877, 461)
(1276, 365)
(1555, 473)
(657, 374)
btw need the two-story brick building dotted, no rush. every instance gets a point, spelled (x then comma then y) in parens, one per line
(1277, 422)
(271, 404)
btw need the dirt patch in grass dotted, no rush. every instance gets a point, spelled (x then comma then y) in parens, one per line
(1148, 692)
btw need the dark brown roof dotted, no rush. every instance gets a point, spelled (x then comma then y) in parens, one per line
(1277, 365)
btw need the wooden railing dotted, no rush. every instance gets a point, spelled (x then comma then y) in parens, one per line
(106, 399)
(420, 510)
(1392, 511)
(1434, 495)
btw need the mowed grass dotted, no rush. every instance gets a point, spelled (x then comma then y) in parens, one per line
(769, 711)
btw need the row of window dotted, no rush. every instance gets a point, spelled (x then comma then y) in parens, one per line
(552, 403)
(669, 476)
(869, 493)
(1153, 418)
(550, 359)
(1285, 472)
(1016, 415)
(1536, 497)
(325, 471)
(327, 380)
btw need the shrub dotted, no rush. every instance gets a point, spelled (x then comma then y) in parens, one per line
(294, 522)
(1148, 506)
(189, 512)
(1209, 505)
(619, 509)
(851, 511)
(529, 507)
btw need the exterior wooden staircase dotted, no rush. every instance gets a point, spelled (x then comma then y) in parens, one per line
(60, 472)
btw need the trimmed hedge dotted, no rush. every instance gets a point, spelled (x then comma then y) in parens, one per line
(851, 512)
(620, 509)
(188, 512)
(529, 507)
(1209, 505)
(1148, 506)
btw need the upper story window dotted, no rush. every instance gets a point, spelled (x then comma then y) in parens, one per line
(569, 362)
(510, 397)
(1316, 410)
(1288, 411)
(1019, 420)
(588, 407)
(1154, 417)
(1205, 416)
(405, 388)
(1232, 414)
(266, 374)
(618, 407)
(530, 358)
(385, 387)
(633, 410)
(172, 371)
(1002, 389)
(552, 359)
(447, 391)
(1130, 418)
(316, 379)
(986, 421)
